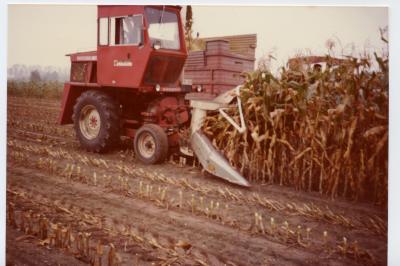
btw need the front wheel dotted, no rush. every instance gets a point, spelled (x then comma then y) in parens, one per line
(151, 144)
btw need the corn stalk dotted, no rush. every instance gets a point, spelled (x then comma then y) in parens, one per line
(324, 131)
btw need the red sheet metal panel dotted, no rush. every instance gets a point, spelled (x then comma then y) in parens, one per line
(137, 65)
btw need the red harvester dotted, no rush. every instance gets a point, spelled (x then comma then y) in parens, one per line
(131, 86)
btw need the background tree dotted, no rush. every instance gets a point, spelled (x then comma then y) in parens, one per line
(188, 27)
(35, 76)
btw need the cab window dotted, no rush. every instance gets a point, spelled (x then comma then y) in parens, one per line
(163, 27)
(126, 30)
(103, 31)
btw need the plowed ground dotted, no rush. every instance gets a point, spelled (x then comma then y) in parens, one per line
(70, 207)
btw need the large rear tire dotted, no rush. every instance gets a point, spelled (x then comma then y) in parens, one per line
(151, 144)
(96, 121)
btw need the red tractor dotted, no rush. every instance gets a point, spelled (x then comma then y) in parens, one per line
(131, 86)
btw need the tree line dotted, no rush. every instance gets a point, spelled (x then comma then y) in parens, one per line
(21, 72)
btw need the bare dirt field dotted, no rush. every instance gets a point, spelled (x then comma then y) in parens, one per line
(69, 207)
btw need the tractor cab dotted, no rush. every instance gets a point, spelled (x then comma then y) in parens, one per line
(141, 47)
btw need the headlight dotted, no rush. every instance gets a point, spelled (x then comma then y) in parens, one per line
(199, 88)
(158, 87)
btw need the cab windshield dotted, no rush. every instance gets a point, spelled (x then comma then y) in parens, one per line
(163, 28)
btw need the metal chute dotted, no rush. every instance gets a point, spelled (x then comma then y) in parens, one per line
(211, 159)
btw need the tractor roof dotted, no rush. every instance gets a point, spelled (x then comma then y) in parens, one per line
(120, 10)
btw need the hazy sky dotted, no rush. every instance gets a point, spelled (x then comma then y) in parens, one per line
(43, 34)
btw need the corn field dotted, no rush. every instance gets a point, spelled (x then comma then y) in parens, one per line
(112, 210)
(324, 131)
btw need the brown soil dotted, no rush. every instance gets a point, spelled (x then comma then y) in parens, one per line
(165, 214)
(21, 250)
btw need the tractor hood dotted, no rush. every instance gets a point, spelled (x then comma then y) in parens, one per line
(164, 68)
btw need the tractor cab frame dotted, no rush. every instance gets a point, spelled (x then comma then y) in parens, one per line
(140, 47)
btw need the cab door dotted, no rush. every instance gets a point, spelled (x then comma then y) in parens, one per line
(121, 57)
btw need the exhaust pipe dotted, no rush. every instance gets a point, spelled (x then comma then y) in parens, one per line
(211, 159)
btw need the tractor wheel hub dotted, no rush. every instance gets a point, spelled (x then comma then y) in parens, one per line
(89, 122)
(146, 145)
